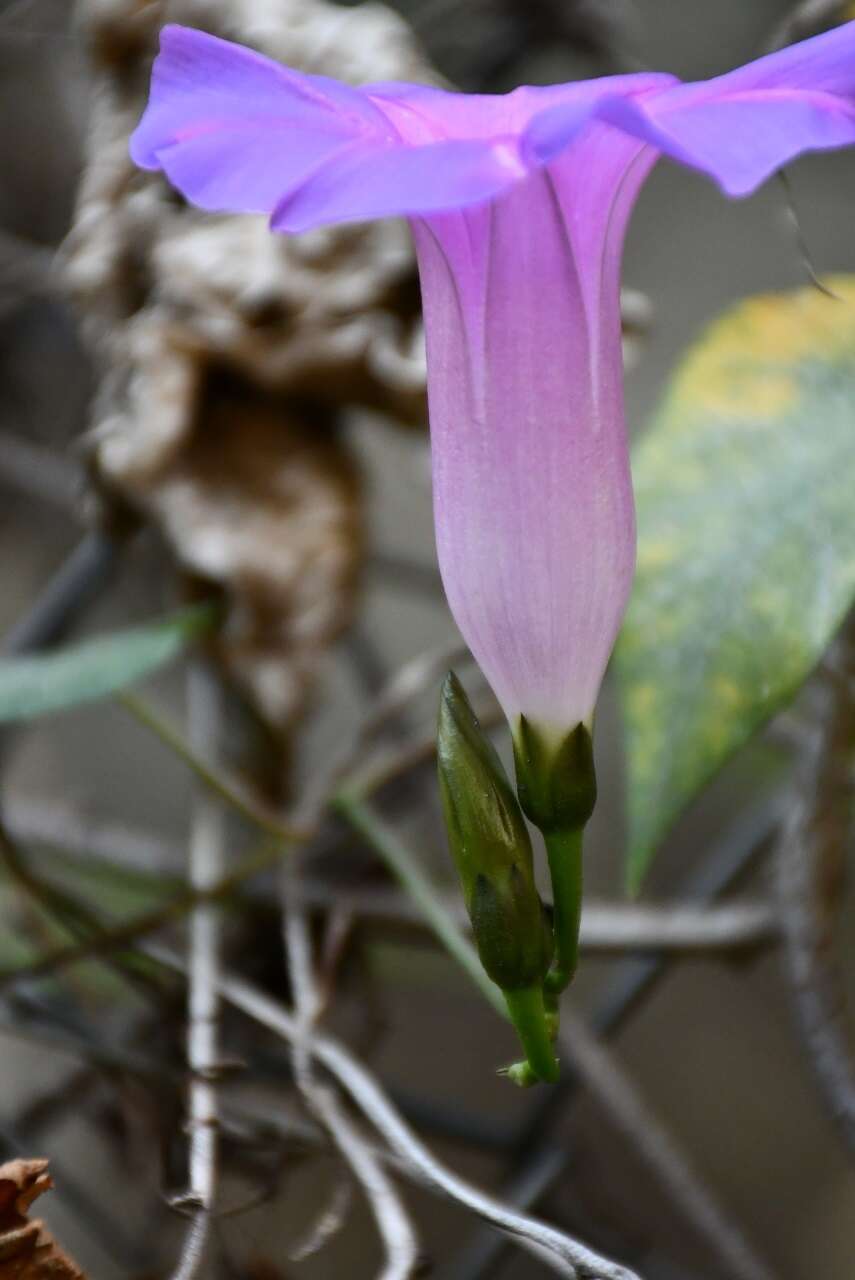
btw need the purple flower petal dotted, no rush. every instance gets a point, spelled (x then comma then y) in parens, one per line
(421, 113)
(233, 130)
(740, 127)
(360, 183)
(519, 205)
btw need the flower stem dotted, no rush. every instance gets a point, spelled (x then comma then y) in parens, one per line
(529, 1018)
(564, 851)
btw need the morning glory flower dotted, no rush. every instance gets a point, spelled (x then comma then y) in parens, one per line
(518, 205)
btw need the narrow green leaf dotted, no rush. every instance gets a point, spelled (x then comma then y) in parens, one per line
(745, 486)
(33, 686)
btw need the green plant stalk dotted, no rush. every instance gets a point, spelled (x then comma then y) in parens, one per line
(228, 790)
(529, 1018)
(564, 852)
(400, 860)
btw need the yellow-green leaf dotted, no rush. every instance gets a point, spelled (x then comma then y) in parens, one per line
(745, 485)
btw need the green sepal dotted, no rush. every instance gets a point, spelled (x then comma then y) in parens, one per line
(491, 847)
(556, 784)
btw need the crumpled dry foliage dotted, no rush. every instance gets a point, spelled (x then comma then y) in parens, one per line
(226, 352)
(28, 1251)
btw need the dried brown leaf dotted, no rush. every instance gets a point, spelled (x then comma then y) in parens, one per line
(228, 352)
(28, 1251)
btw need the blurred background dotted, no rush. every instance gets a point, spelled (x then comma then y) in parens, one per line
(190, 409)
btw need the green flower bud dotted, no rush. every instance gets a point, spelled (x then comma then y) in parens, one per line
(491, 848)
(511, 930)
(556, 784)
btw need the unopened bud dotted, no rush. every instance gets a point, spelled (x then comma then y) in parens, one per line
(491, 848)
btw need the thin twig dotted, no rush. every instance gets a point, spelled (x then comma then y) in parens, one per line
(810, 870)
(328, 1222)
(408, 682)
(207, 850)
(524, 1190)
(628, 1110)
(606, 926)
(195, 1245)
(349, 768)
(566, 1256)
(86, 838)
(238, 1118)
(81, 577)
(104, 1054)
(799, 237)
(74, 916)
(119, 937)
(392, 1221)
(389, 765)
(677, 927)
(228, 789)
